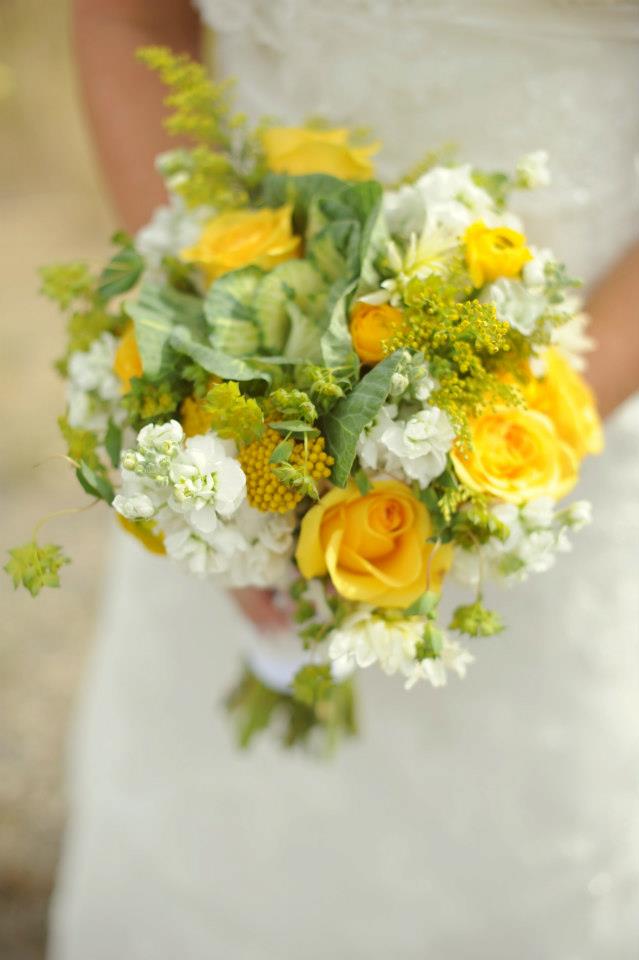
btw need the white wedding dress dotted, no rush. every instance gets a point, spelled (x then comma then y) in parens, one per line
(498, 817)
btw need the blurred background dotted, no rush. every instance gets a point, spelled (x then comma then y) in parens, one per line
(52, 207)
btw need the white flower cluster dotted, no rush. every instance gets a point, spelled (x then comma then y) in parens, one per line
(93, 389)
(407, 447)
(444, 199)
(431, 216)
(172, 228)
(537, 533)
(522, 303)
(533, 171)
(365, 639)
(194, 490)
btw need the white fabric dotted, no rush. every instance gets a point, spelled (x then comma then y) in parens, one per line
(498, 817)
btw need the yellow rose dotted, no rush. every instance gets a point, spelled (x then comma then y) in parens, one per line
(516, 455)
(127, 363)
(564, 396)
(371, 326)
(373, 547)
(493, 252)
(297, 150)
(242, 237)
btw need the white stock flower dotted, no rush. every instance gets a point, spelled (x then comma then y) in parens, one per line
(573, 340)
(409, 449)
(452, 198)
(537, 532)
(539, 513)
(533, 272)
(264, 559)
(371, 450)
(93, 389)
(172, 228)
(421, 444)
(205, 482)
(516, 304)
(365, 639)
(134, 505)
(578, 514)
(533, 171)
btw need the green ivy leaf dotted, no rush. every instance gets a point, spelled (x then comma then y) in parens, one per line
(282, 452)
(94, 483)
(113, 443)
(346, 420)
(121, 273)
(363, 483)
(294, 426)
(33, 566)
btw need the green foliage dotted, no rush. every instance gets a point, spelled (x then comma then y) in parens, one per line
(113, 443)
(234, 416)
(122, 271)
(66, 283)
(294, 404)
(81, 444)
(443, 156)
(475, 620)
(363, 483)
(86, 326)
(95, 482)
(324, 385)
(156, 312)
(297, 478)
(282, 452)
(316, 707)
(312, 684)
(468, 348)
(227, 160)
(343, 425)
(498, 185)
(153, 402)
(432, 642)
(458, 513)
(289, 309)
(33, 566)
(73, 288)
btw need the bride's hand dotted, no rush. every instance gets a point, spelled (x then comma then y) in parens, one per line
(260, 607)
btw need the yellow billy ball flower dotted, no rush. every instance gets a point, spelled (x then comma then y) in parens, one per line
(493, 252)
(264, 491)
(299, 150)
(238, 238)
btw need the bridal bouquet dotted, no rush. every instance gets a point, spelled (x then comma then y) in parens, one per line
(298, 379)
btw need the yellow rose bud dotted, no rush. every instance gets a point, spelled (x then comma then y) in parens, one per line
(242, 237)
(493, 252)
(297, 150)
(371, 326)
(127, 363)
(373, 547)
(564, 396)
(516, 455)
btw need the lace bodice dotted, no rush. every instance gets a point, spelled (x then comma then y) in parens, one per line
(496, 79)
